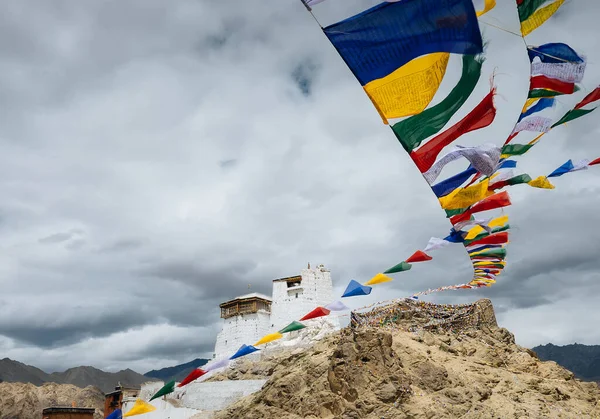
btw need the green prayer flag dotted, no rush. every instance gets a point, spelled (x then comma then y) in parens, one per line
(453, 212)
(528, 7)
(516, 149)
(538, 93)
(485, 234)
(571, 115)
(293, 326)
(167, 388)
(401, 267)
(412, 131)
(524, 178)
(499, 253)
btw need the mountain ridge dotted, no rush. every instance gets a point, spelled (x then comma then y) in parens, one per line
(582, 360)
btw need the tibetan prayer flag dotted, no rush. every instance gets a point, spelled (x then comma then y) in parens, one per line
(465, 197)
(538, 18)
(243, 351)
(594, 162)
(166, 389)
(456, 236)
(418, 256)
(195, 374)
(571, 115)
(117, 414)
(489, 5)
(355, 289)
(528, 7)
(565, 168)
(317, 312)
(542, 104)
(378, 279)
(436, 243)
(337, 306)
(382, 39)
(409, 89)
(485, 234)
(216, 364)
(498, 238)
(592, 97)
(554, 53)
(483, 158)
(292, 327)
(140, 407)
(534, 123)
(496, 222)
(401, 267)
(516, 149)
(565, 72)
(538, 93)
(495, 201)
(501, 253)
(445, 187)
(543, 82)
(270, 337)
(412, 131)
(480, 117)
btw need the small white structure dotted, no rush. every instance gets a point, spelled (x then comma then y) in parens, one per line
(249, 317)
(245, 320)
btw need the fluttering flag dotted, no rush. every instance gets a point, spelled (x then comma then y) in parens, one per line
(216, 364)
(537, 18)
(543, 103)
(498, 238)
(418, 256)
(436, 243)
(501, 253)
(292, 327)
(496, 222)
(355, 289)
(243, 351)
(378, 279)
(565, 168)
(541, 182)
(140, 407)
(554, 53)
(270, 337)
(317, 312)
(411, 132)
(480, 117)
(380, 40)
(465, 197)
(117, 414)
(594, 162)
(483, 158)
(578, 111)
(194, 375)
(166, 389)
(401, 267)
(495, 201)
(489, 5)
(337, 306)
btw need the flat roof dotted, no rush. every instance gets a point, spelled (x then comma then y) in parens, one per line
(69, 410)
(289, 278)
(254, 295)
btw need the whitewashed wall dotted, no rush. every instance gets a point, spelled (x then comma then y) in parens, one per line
(237, 330)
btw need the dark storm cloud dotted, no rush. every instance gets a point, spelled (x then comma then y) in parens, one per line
(56, 238)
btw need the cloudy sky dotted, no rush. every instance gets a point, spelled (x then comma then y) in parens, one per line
(157, 158)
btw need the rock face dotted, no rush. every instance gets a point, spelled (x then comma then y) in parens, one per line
(457, 368)
(26, 401)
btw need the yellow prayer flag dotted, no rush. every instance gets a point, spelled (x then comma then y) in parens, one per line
(140, 407)
(541, 182)
(496, 222)
(489, 5)
(378, 279)
(465, 197)
(539, 17)
(529, 102)
(409, 89)
(269, 338)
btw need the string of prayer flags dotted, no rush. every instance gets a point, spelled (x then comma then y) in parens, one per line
(243, 351)
(578, 111)
(292, 327)
(418, 256)
(337, 306)
(380, 40)
(401, 267)
(195, 374)
(570, 167)
(495, 201)
(355, 289)
(317, 312)
(140, 407)
(166, 389)
(216, 364)
(411, 132)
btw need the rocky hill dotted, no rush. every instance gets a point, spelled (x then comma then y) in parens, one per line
(413, 360)
(583, 360)
(178, 372)
(26, 401)
(17, 372)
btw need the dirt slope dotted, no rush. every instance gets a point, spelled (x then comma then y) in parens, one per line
(468, 370)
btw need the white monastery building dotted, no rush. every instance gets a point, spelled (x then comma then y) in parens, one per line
(249, 317)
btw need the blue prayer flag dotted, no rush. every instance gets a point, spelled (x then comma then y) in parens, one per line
(380, 40)
(554, 53)
(565, 168)
(117, 414)
(243, 351)
(542, 104)
(354, 289)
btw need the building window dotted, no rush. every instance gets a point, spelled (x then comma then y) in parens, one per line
(296, 295)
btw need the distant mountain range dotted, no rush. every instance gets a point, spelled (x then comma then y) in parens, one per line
(17, 372)
(582, 360)
(178, 372)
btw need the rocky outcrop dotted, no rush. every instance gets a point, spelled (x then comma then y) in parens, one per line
(475, 371)
(26, 401)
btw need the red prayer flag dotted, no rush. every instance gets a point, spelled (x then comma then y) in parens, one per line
(594, 162)
(418, 256)
(480, 117)
(511, 137)
(543, 82)
(592, 97)
(197, 373)
(497, 238)
(317, 312)
(498, 200)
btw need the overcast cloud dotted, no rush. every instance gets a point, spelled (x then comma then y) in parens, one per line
(159, 157)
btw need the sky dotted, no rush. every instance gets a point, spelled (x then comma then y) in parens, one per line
(158, 158)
